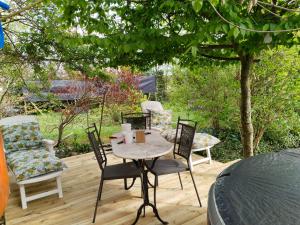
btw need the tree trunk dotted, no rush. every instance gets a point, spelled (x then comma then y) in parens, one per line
(245, 105)
(61, 128)
(258, 137)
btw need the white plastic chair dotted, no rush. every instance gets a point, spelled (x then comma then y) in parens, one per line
(148, 106)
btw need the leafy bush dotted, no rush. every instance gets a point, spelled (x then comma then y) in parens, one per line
(210, 95)
(123, 94)
(211, 92)
(275, 93)
(230, 147)
(75, 148)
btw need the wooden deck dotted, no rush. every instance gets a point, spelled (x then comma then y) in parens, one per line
(80, 186)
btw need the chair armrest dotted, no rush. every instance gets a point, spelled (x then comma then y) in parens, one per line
(49, 144)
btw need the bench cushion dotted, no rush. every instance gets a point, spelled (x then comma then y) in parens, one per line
(161, 119)
(201, 140)
(204, 140)
(32, 163)
(20, 137)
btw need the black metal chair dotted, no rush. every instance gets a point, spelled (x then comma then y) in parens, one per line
(112, 172)
(137, 120)
(182, 147)
(106, 147)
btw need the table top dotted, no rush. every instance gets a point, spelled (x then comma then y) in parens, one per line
(154, 146)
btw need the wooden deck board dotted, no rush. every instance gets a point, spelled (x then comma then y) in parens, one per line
(117, 207)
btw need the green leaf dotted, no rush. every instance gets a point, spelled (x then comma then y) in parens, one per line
(214, 2)
(197, 5)
(266, 27)
(243, 31)
(225, 28)
(236, 32)
(127, 48)
(194, 51)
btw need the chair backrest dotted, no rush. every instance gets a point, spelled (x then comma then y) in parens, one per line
(98, 149)
(93, 127)
(184, 137)
(16, 120)
(21, 133)
(137, 120)
(148, 106)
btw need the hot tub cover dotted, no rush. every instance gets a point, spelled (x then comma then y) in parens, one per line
(261, 190)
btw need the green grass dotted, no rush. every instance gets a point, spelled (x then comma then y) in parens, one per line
(50, 121)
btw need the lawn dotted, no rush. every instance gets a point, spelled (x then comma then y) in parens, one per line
(75, 132)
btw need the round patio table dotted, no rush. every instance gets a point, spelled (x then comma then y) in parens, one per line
(154, 147)
(260, 190)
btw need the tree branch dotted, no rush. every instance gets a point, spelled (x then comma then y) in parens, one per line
(220, 58)
(224, 58)
(13, 14)
(248, 29)
(279, 7)
(216, 46)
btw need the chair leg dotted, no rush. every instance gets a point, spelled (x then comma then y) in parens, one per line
(142, 188)
(208, 155)
(155, 186)
(125, 180)
(59, 186)
(144, 208)
(190, 162)
(98, 199)
(23, 196)
(196, 189)
(180, 181)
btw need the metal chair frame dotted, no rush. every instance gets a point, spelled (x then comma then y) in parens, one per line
(143, 118)
(121, 171)
(183, 149)
(106, 147)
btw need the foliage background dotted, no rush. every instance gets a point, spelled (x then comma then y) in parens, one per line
(210, 95)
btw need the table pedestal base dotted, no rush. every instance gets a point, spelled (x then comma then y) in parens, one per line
(154, 211)
(146, 196)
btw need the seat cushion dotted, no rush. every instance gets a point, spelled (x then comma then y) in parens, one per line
(148, 106)
(170, 134)
(201, 140)
(20, 137)
(119, 171)
(161, 119)
(33, 163)
(167, 166)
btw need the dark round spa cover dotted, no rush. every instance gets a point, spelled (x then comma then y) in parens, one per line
(261, 190)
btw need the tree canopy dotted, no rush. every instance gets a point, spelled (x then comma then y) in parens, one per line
(144, 33)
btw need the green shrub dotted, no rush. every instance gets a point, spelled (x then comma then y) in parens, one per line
(230, 147)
